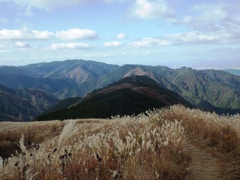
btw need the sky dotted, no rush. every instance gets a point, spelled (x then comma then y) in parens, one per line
(173, 33)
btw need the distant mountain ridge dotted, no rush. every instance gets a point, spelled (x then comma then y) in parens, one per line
(76, 70)
(60, 78)
(23, 104)
(212, 90)
(128, 96)
(233, 71)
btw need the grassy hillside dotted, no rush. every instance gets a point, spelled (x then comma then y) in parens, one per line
(130, 147)
(153, 145)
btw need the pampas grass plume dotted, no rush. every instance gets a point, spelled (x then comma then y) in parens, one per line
(69, 129)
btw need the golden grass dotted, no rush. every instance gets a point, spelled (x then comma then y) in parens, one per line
(147, 146)
(222, 132)
(129, 147)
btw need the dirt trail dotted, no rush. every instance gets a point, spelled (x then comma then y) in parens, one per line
(203, 165)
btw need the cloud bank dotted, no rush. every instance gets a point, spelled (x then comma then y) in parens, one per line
(70, 34)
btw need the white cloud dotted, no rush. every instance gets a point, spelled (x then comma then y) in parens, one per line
(192, 37)
(22, 44)
(72, 34)
(71, 46)
(225, 35)
(121, 36)
(152, 9)
(146, 42)
(217, 21)
(113, 44)
(6, 34)
(26, 34)
(206, 14)
(42, 34)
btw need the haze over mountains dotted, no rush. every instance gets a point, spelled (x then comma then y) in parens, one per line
(213, 90)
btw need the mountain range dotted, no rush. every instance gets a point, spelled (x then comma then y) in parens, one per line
(213, 90)
(60, 78)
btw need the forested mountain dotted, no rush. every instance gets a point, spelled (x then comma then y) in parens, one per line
(128, 96)
(23, 104)
(207, 89)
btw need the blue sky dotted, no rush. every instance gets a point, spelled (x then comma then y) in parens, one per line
(174, 33)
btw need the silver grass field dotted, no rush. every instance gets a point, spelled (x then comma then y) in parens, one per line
(147, 146)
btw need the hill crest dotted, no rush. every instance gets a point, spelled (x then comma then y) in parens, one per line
(128, 96)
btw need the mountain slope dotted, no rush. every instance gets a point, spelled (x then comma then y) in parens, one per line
(61, 88)
(63, 104)
(23, 104)
(206, 89)
(128, 71)
(76, 70)
(60, 78)
(130, 95)
(218, 88)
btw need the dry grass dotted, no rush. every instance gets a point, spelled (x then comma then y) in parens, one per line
(147, 146)
(36, 132)
(222, 132)
(141, 147)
